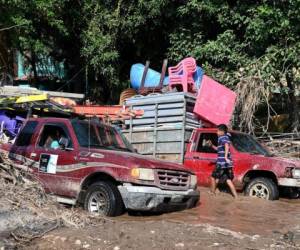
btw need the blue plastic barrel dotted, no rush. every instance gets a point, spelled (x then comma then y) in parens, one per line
(152, 77)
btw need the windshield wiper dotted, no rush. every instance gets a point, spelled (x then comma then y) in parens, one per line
(270, 154)
(261, 153)
(108, 147)
(256, 153)
(93, 145)
(120, 148)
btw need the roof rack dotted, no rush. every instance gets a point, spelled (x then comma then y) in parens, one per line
(36, 105)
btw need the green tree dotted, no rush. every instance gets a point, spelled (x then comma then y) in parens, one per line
(244, 44)
(49, 28)
(238, 41)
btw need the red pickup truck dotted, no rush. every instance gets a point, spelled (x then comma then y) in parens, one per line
(257, 172)
(93, 164)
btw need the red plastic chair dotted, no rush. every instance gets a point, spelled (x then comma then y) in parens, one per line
(181, 75)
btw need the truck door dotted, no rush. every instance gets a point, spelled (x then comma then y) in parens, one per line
(54, 161)
(22, 144)
(204, 157)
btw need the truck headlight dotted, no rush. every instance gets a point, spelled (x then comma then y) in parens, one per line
(296, 173)
(193, 183)
(144, 174)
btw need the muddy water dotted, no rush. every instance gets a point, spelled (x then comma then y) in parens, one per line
(246, 215)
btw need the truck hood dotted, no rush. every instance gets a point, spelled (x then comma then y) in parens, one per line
(287, 161)
(277, 161)
(132, 160)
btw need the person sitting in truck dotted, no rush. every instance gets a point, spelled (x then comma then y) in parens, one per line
(54, 144)
(52, 140)
(223, 171)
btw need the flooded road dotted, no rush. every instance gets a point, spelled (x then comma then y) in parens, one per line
(246, 215)
(220, 222)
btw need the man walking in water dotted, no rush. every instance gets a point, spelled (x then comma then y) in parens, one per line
(223, 171)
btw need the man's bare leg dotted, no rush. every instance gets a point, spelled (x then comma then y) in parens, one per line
(214, 183)
(232, 188)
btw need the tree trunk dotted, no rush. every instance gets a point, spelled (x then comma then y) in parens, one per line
(33, 64)
(294, 109)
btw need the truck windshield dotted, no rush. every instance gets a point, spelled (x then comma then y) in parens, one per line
(247, 144)
(99, 136)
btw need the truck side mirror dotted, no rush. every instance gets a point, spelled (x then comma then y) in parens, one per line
(69, 149)
(64, 142)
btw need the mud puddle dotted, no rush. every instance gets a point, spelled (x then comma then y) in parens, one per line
(246, 215)
(218, 223)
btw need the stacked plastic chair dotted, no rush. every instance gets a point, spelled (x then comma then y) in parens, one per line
(181, 75)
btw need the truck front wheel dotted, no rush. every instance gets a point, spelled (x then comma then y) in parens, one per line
(104, 198)
(263, 188)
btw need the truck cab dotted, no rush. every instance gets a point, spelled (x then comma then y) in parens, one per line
(90, 163)
(257, 172)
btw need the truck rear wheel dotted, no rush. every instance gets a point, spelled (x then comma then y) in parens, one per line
(263, 188)
(104, 198)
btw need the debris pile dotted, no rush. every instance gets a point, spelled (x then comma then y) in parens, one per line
(189, 78)
(286, 145)
(27, 212)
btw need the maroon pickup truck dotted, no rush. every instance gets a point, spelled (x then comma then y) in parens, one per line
(92, 164)
(257, 172)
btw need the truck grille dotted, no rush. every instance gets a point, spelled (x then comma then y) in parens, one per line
(175, 180)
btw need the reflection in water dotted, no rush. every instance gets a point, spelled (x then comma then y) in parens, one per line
(246, 215)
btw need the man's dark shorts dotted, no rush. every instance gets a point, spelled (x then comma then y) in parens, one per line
(223, 174)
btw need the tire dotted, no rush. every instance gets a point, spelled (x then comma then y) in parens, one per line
(263, 188)
(108, 194)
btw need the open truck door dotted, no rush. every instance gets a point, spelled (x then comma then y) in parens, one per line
(202, 158)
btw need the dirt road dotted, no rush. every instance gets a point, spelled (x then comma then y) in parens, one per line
(218, 223)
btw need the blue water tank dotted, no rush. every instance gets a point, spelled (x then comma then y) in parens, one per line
(152, 77)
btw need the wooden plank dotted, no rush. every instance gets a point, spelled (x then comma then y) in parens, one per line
(151, 120)
(160, 106)
(160, 98)
(162, 136)
(168, 144)
(163, 113)
(144, 74)
(163, 73)
(162, 120)
(64, 94)
(19, 91)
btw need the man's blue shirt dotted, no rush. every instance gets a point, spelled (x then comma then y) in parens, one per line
(222, 140)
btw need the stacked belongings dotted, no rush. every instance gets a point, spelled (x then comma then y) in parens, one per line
(10, 125)
(109, 114)
(181, 75)
(214, 102)
(14, 110)
(141, 76)
(166, 125)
